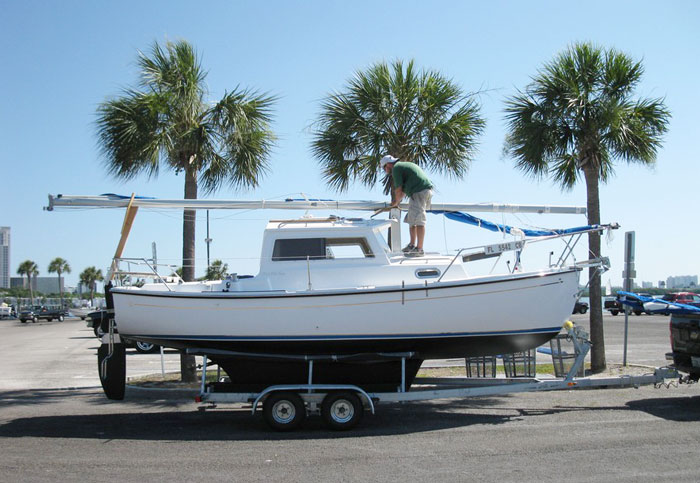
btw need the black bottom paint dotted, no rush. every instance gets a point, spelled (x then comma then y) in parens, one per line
(255, 375)
(423, 348)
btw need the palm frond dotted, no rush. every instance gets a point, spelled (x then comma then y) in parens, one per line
(132, 132)
(415, 115)
(576, 115)
(240, 141)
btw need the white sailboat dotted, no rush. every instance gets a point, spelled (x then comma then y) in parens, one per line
(341, 289)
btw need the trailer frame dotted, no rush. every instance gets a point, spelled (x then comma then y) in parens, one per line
(423, 389)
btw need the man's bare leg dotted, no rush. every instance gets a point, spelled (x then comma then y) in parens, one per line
(420, 235)
(412, 232)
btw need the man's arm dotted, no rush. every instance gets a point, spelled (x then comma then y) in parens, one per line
(398, 197)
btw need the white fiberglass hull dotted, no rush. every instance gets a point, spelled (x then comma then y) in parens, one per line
(475, 317)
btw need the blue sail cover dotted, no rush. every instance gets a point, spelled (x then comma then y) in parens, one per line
(473, 220)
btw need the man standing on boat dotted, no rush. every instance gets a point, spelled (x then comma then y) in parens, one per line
(408, 179)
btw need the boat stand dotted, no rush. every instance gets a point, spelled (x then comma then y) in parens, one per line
(341, 405)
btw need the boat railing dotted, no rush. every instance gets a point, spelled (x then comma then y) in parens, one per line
(482, 252)
(144, 268)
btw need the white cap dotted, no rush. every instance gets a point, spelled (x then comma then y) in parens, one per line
(387, 159)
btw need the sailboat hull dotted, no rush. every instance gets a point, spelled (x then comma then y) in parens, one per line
(488, 316)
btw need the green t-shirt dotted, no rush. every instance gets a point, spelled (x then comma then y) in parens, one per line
(410, 178)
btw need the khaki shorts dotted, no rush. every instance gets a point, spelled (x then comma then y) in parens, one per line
(418, 203)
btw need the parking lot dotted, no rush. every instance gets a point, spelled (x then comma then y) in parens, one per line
(55, 424)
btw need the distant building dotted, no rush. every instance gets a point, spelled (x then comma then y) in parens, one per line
(49, 284)
(21, 282)
(682, 281)
(44, 285)
(662, 284)
(4, 257)
(647, 285)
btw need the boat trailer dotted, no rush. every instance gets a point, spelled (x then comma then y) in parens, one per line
(285, 406)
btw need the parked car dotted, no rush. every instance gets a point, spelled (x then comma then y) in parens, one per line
(636, 305)
(7, 312)
(580, 307)
(99, 321)
(612, 305)
(631, 305)
(685, 344)
(688, 298)
(42, 312)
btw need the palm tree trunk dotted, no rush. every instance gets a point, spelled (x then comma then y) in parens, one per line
(596, 314)
(188, 365)
(60, 288)
(189, 219)
(31, 292)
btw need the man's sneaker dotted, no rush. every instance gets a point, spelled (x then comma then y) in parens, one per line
(416, 252)
(408, 248)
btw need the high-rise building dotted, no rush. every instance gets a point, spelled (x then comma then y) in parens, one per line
(4, 257)
(682, 281)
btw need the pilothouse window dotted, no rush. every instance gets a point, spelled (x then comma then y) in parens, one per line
(320, 249)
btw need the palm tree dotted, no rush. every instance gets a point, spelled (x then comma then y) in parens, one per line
(417, 116)
(58, 265)
(169, 123)
(89, 277)
(574, 120)
(30, 269)
(216, 271)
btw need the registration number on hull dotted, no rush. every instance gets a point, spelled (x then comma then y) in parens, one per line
(503, 247)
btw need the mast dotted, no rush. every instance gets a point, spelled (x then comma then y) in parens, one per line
(116, 201)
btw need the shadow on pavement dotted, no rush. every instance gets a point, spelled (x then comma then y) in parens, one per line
(179, 420)
(673, 409)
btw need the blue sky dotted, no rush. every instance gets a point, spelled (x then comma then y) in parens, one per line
(61, 59)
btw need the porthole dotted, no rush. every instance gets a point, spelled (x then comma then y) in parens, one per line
(428, 273)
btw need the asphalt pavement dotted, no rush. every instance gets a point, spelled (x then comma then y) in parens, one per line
(56, 425)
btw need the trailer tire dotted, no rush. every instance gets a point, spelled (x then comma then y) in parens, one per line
(114, 381)
(342, 410)
(614, 312)
(60, 318)
(97, 329)
(284, 411)
(24, 321)
(34, 319)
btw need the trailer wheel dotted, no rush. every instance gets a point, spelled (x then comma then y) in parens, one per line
(342, 410)
(34, 319)
(97, 329)
(24, 321)
(284, 411)
(60, 318)
(614, 312)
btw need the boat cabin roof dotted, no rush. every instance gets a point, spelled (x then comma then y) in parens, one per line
(327, 225)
